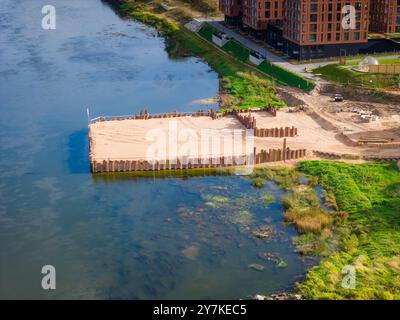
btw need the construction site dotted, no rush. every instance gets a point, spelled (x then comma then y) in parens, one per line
(311, 127)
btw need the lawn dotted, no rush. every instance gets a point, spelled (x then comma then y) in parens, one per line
(343, 75)
(241, 53)
(381, 61)
(237, 50)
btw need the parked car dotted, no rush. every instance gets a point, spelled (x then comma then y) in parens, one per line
(338, 97)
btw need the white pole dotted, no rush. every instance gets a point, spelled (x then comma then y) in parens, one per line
(88, 115)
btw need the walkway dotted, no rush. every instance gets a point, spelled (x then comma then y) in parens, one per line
(278, 60)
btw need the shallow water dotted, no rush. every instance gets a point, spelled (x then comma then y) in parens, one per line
(115, 238)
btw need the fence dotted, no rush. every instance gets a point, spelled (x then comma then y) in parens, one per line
(272, 155)
(385, 68)
(173, 164)
(250, 123)
(145, 115)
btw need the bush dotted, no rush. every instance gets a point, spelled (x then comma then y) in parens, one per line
(205, 6)
(258, 182)
(312, 220)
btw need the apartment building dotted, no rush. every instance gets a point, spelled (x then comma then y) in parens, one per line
(385, 16)
(306, 29)
(320, 27)
(232, 10)
(257, 14)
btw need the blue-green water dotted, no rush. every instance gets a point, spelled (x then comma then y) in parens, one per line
(115, 238)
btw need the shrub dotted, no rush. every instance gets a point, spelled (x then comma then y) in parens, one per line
(308, 221)
(258, 182)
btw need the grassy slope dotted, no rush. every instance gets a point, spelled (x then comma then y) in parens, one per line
(368, 240)
(340, 74)
(278, 73)
(247, 87)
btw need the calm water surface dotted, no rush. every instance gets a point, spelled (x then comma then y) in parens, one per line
(118, 238)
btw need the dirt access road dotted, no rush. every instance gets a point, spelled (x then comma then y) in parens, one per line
(343, 122)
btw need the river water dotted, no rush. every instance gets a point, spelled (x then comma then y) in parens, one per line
(118, 237)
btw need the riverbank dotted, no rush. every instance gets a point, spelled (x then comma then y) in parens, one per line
(242, 87)
(361, 231)
(358, 227)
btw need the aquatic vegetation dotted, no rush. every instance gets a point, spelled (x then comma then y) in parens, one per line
(275, 258)
(301, 199)
(241, 218)
(285, 178)
(269, 198)
(369, 239)
(219, 199)
(258, 182)
(310, 220)
(304, 211)
(311, 244)
(191, 252)
(256, 267)
(281, 264)
(264, 232)
(211, 204)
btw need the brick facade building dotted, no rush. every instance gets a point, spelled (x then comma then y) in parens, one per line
(385, 16)
(317, 28)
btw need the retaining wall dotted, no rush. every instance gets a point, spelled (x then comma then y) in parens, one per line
(272, 155)
(250, 123)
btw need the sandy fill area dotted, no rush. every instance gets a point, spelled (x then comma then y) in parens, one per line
(154, 138)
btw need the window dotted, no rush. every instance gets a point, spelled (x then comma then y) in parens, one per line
(346, 36)
(313, 7)
(356, 36)
(313, 18)
(329, 36)
(313, 28)
(337, 36)
(312, 37)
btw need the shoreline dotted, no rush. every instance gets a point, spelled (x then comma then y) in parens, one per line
(336, 243)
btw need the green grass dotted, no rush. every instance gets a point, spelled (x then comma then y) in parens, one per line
(393, 35)
(247, 87)
(164, 26)
(340, 74)
(278, 73)
(369, 239)
(237, 50)
(381, 61)
(390, 61)
(205, 6)
(206, 32)
(285, 76)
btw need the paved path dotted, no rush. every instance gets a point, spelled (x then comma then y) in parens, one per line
(274, 58)
(271, 56)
